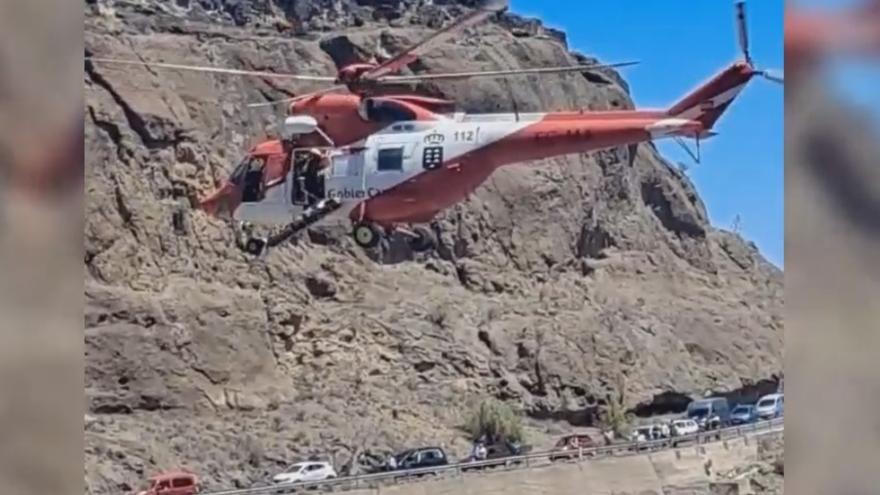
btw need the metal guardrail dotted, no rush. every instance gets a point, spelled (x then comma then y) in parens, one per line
(528, 461)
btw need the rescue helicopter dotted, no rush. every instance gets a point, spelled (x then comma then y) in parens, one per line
(388, 162)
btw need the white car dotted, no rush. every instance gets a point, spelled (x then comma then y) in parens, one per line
(641, 434)
(306, 471)
(770, 406)
(683, 427)
(647, 433)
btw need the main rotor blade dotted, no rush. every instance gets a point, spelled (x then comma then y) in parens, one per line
(499, 73)
(297, 98)
(218, 70)
(742, 30)
(487, 9)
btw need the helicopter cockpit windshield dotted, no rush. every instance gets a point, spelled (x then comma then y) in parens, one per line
(249, 176)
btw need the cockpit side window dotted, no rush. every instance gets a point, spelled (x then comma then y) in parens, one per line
(254, 186)
(237, 175)
(250, 163)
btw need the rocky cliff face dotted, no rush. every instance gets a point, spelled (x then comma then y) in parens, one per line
(552, 282)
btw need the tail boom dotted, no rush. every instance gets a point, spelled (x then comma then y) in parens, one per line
(708, 102)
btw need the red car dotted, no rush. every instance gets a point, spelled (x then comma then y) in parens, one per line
(173, 483)
(568, 447)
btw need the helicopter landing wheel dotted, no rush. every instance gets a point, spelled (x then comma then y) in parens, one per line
(423, 239)
(255, 246)
(366, 235)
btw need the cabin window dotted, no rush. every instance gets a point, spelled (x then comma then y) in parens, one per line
(347, 164)
(340, 166)
(403, 128)
(390, 160)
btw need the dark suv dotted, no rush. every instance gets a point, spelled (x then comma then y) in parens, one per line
(421, 458)
(505, 449)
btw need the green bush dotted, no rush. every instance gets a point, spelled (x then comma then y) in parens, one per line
(614, 415)
(496, 420)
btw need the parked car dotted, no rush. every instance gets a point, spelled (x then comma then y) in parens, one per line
(173, 483)
(500, 450)
(710, 413)
(306, 471)
(770, 406)
(743, 414)
(505, 449)
(684, 427)
(643, 436)
(421, 458)
(570, 446)
(647, 433)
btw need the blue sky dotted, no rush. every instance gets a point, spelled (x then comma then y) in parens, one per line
(680, 44)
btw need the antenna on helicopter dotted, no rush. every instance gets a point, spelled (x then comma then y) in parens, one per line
(743, 35)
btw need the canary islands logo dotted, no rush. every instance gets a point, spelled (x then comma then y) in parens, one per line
(435, 138)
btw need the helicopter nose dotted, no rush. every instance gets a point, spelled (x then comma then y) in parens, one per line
(222, 202)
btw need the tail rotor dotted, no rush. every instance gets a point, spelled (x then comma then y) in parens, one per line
(773, 75)
(743, 34)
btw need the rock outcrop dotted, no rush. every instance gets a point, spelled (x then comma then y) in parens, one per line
(552, 282)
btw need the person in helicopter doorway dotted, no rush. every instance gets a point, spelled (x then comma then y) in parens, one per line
(289, 145)
(308, 186)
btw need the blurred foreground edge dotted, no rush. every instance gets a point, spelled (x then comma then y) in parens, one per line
(832, 182)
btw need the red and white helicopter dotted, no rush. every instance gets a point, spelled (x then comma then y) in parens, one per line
(396, 160)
